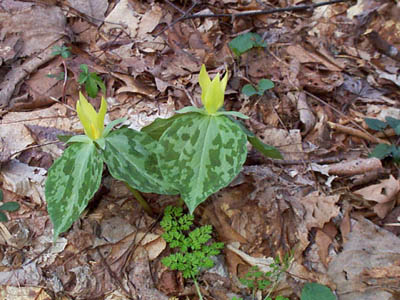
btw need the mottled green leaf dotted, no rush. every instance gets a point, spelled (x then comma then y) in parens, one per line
(1, 195)
(316, 291)
(201, 154)
(71, 182)
(130, 157)
(375, 124)
(158, 126)
(10, 206)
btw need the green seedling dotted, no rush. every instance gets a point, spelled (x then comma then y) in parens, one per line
(92, 81)
(193, 249)
(74, 177)
(244, 42)
(263, 85)
(316, 291)
(203, 149)
(63, 51)
(256, 280)
(382, 151)
(8, 206)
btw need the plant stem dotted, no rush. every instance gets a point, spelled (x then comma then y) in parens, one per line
(198, 289)
(143, 203)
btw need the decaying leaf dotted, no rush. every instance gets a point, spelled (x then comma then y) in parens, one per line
(384, 193)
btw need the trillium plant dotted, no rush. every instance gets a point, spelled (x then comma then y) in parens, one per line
(195, 153)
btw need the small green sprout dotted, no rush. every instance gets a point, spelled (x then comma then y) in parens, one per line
(382, 151)
(256, 280)
(263, 85)
(244, 42)
(193, 249)
(8, 206)
(92, 81)
(316, 291)
(63, 50)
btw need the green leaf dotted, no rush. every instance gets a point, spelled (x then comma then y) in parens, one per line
(375, 124)
(265, 84)
(71, 182)
(10, 206)
(1, 195)
(91, 87)
(394, 123)
(381, 151)
(201, 154)
(189, 109)
(130, 157)
(64, 138)
(245, 42)
(99, 82)
(111, 125)
(266, 150)
(316, 291)
(3, 217)
(79, 139)
(157, 128)
(232, 113)
(249, 90)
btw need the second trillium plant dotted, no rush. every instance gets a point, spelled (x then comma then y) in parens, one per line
(74, 178)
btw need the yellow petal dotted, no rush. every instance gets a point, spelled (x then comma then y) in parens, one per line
(205, 81)
(93, 122)
(214, 96)
(100, 118)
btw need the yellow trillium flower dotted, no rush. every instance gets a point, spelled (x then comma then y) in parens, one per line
(93, 122)
(212, 92)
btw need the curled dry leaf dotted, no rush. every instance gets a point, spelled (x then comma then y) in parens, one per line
(383, 193)
(306, 115)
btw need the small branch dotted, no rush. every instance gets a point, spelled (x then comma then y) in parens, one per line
(357, 133)
(265, 12)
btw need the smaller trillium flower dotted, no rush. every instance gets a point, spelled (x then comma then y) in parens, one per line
(93, 122)
(212, 92)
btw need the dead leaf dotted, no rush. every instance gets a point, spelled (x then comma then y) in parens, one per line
(24, 180)
(93, 9)
(368, 247)
(305, 56)
(383, 193)
(320, 209)
(306, 115)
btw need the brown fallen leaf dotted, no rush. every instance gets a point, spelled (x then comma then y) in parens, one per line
(320, 209)
(369, 247)
(383, 193)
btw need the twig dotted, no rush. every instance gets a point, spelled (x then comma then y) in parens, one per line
(185, 14)
(357, 133)
(265, 12)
